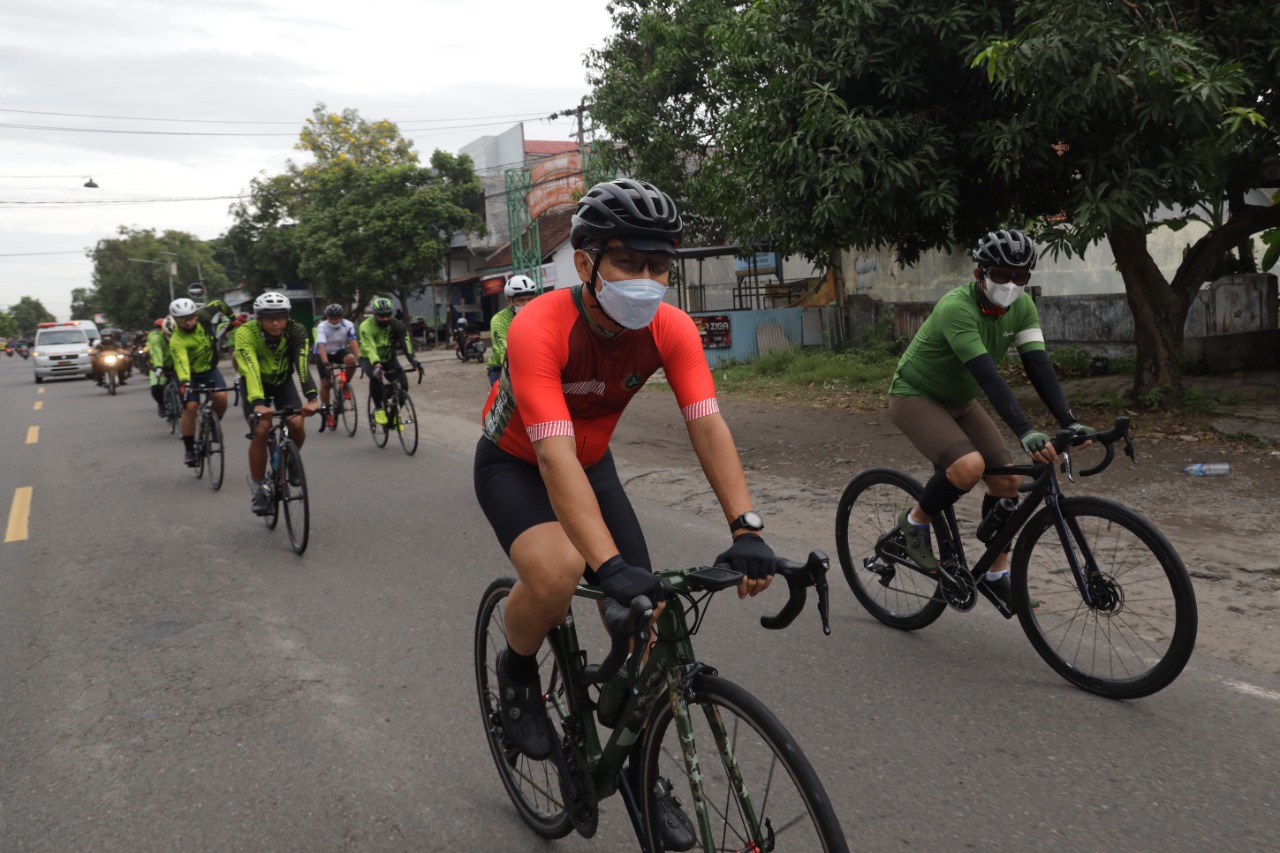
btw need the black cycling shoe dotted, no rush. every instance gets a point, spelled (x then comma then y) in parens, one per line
(260, 501)
(673, 824)
(1004, 591)
(190, 459)
(523, 712)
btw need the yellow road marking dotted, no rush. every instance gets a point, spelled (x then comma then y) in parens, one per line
(39, 390)
(33, 434)
(39, 405)
(19, 512)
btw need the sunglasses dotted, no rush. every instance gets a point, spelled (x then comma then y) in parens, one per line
(999, 276)
(632, 262)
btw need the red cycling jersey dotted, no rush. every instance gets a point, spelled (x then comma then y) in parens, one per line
(562, 378)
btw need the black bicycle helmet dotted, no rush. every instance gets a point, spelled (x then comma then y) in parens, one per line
(1003, 248)
(334, 310)
(639, 214)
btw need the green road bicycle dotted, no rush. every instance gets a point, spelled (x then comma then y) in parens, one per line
(402, 417)
(343, 408)
(209, 447)
(1114, 611)
(748, 782)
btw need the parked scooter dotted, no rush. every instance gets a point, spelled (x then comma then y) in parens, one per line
(467, 344)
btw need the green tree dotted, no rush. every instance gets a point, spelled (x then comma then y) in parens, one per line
(26, 313)
(362, 217)
(8, 326)
(828, 125)
(83, 304)
(131, 277)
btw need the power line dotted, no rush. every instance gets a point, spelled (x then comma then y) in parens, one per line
(433, 130)
(30, 254)
(249, 121)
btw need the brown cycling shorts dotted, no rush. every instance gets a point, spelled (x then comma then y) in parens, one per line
(944, 434)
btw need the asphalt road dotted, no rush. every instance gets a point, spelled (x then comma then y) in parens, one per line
(172, 676)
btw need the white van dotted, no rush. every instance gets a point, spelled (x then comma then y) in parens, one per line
(62, 349)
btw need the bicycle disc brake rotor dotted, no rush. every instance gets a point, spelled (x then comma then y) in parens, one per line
(1108, 596)
(582, 808)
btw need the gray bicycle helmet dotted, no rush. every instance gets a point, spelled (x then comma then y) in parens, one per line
(1005, 248)
(334, 310)
(639, 214)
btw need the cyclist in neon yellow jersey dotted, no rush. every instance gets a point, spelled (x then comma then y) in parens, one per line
(161, 362)
(193, 346)
(269, 348)
(520, 290)
(380, 337)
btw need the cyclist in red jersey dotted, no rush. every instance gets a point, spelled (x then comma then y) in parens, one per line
(544, 474)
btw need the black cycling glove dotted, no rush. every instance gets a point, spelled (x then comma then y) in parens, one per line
(750, 555)
(623, 582)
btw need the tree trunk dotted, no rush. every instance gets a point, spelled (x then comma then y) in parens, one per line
(1159, 315)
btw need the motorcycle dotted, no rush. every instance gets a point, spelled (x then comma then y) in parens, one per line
(468, 345)
(112, 365)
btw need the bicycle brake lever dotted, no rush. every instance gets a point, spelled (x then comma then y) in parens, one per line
(1066, 465)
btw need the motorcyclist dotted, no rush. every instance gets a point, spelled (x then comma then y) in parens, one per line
(109, 342)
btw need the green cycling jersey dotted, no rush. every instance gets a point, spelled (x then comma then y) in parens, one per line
(498, 335)
(956, 332)
(196, 351)
(261, 362)
(379, 343)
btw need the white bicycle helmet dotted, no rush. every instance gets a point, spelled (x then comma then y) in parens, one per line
(271, 303)
(520, 285)
(182, 308)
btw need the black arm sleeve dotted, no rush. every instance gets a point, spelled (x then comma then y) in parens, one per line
(983, 368)
(1045, 380)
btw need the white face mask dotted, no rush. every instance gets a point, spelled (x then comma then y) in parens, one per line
(337, 324)
(631, 303)
(1003, 295)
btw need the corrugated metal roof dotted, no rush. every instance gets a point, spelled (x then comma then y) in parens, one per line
(548, 146)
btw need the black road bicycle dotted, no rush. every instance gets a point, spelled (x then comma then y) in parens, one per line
(749, 785)
(402, 417)
(172, 403)
(286, 479)
(1114, 613)
(209, 447)
(343, 407)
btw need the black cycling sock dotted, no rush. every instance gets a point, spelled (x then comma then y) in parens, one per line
(939, 493)
(189, 442)
(520, 667)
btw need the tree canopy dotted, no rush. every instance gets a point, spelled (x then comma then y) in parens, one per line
(362, 217)
(822, 126)
(26, 313)
(131, 278)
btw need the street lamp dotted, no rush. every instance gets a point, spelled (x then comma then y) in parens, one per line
(168, 268)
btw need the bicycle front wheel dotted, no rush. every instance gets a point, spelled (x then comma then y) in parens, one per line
(375, 429)
(866, 525)
(1139, 632)
(297, 510)
(172, 406)
(758, 791)
(407, 424)
(533, 786)
(111, 383)
(349, 412)
(213, 451)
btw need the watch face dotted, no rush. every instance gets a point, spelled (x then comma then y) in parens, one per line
(752, 520)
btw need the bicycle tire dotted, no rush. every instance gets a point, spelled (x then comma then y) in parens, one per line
(213, 451)
(198, 444)
(172, 406)
(408, 430)
(868, 510)
(350, 412)
(533, 786)
(379, 436)
(1127, 648)
(297, 506)
(786, 796)
(272, 518)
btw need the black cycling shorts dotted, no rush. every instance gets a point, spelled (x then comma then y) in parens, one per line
(514, 498)
(282, 396)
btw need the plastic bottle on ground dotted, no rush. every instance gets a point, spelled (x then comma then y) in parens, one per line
(1207, 469)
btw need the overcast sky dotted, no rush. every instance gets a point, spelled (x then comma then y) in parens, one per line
(448, 71)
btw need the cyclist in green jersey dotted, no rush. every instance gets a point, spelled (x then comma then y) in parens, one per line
(159, 360)
(194, 349)
(379, 338)
(952, 360)
(520, 290)
(268, 349)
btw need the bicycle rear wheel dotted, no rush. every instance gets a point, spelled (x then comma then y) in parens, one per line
(213, 451)
(407, 424)
(1141, 629)
(533, 786)
(375, 429)
(349, 412)
(866, 527)
(297, 509)
(761, 793)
